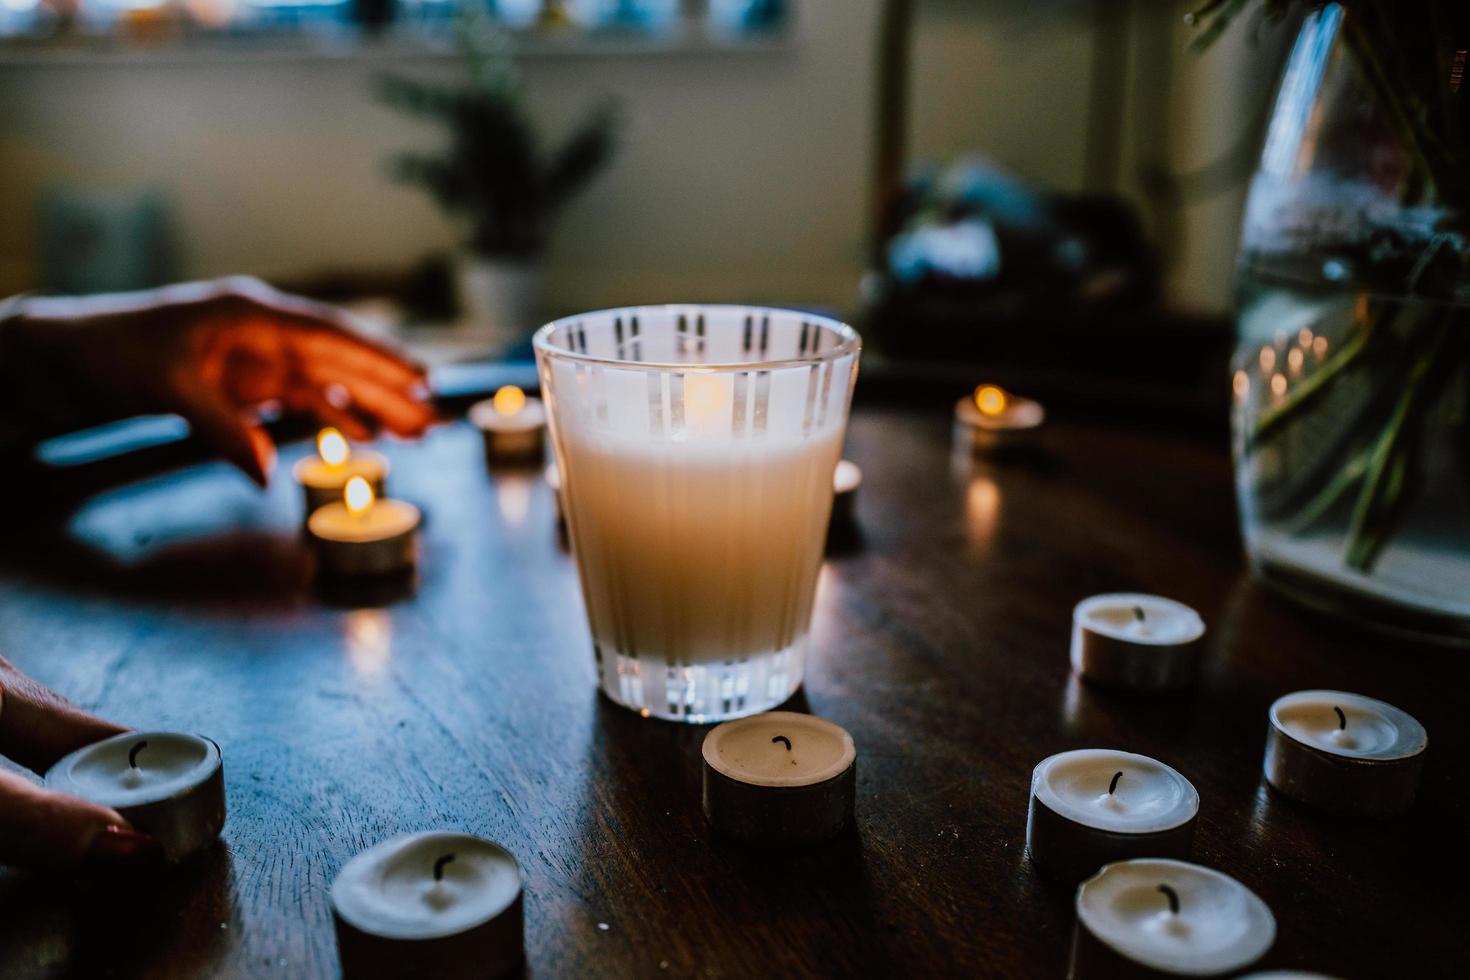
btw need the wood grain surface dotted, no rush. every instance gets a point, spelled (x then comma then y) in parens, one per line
(184, 601)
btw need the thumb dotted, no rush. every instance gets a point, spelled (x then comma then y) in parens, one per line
(237, 437)
(42, 828)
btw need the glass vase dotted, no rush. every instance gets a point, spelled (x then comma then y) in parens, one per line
(1352, 372)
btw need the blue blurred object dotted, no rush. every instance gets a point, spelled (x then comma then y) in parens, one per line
(103, 241)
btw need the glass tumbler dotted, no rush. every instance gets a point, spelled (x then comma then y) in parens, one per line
(696, 446)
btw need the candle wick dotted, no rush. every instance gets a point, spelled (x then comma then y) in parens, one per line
(1341, 718)
(1173, 898)
(439, 866)
(1139, 614)
(133, 754)
(1114, 784)
(782, 738)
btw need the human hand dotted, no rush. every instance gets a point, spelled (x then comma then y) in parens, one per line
(219, 352)
(39, 827)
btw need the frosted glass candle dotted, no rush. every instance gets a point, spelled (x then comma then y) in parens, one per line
(1154, 917)
(433, 904)
(1092, 806)
(1344, 752)
(169, 785)
(1137, 642)
(697, 448)
(779, 779)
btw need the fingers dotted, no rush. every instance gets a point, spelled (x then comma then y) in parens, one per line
(38, 726)
(401, 412)
(328, 345)
(306, 397)
(41, 828)
(233, 434)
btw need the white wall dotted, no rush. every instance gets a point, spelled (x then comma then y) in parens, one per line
(745, 175)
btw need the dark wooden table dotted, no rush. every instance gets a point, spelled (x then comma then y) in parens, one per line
(941, 644)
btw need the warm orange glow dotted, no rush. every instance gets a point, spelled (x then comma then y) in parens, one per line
(332, 447)
(990, 400)
(1319, 347)
(509, 401)
(1304, 337)
(358, 495)
(707, 399)
(1242, 385)
(1278, 385)
(1268, 359)
(1294, 361)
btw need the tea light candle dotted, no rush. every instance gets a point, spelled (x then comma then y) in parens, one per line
(1092, 806)
(992, 417)
(169, 785)
(361, 535)
(324, 476)
(433, 904)
(779, 778)
(1154, 916)
(1344, 752)
(513, 426)
(1135, 641)
(845, 482)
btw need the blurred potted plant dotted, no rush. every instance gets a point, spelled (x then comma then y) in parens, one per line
(494, 179)
(1352, 371)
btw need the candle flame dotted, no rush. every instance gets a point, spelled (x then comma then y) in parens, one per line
(358, 495)
(509, 400)
(990, 399)
(332, 447)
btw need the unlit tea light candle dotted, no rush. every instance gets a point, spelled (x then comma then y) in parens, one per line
(1344, 752)
(1092, 806)
(169, 785)
(1153, 916)
(513, 426)
(324, 476)
(992, 417)
(435, 904)
(1137, 642)
(779, 778)
(361, 535)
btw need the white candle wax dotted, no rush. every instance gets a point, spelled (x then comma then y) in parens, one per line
(1136, 641)
(1169, 916)
(433, 904)
(168, 784)
(1091, 806)
(779, 778)
(1344, 752)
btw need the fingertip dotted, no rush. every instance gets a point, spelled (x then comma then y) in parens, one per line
(119, 845)
(263, 456)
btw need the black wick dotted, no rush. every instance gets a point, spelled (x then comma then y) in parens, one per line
(1114, 784)
(1341, 718)
(1173, 898)
(782, 738)
(439, 866)
(1138, 613)
(133, 753)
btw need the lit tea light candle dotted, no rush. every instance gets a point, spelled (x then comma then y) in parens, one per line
(1092, 806)
(845, 483)
(434, 904)
(1136, 641)
(779, 778)
(362, 535)
(993, 417)
(513, 426)
(1155, 916)
(1344, 752)
(169, 785)
(324, 476)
